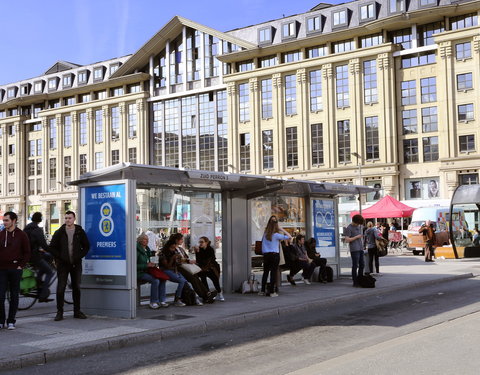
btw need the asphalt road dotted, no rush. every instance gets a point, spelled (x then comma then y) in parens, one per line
(430, 330)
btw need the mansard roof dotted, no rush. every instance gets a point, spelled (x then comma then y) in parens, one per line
(60, 66)
(169, 32)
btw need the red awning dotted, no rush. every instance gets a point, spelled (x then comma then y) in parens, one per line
(385, 208)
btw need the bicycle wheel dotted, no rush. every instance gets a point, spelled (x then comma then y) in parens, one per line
(68, 292)
(25, 301)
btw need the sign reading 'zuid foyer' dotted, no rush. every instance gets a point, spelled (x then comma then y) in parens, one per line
(104, 220)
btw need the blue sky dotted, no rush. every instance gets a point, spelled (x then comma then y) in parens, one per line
(38, 33)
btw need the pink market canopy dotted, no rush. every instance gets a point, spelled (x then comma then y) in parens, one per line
(385, 208)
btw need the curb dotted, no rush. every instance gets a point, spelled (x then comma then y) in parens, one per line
(190, 329)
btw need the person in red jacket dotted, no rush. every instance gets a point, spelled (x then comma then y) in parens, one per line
(14, 254)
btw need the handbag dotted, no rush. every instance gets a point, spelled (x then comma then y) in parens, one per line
(251, 285)
(258, 247)
(158, 273)
(381, 244)
(191, 268)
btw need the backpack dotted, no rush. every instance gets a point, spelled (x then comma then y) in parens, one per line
(366, 281)
(188, 295)
(329, 272)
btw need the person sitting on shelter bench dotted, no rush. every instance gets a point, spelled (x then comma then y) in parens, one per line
(302, 262)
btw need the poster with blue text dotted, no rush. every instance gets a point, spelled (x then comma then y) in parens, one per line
(104, 221)
(324, 226)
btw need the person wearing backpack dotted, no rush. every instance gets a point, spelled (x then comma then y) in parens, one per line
(39, 248)
(371, 234)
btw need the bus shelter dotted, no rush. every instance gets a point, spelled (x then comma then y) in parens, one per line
(464, 238)
(118, 203)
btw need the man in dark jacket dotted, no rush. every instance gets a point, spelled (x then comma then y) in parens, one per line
(14, 255)
(39, 248)
(69, 245)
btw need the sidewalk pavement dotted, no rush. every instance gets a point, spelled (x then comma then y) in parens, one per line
(38, 339)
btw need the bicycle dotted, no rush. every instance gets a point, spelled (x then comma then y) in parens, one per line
(29, 290)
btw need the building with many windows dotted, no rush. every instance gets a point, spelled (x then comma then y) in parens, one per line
(380, 93)
(377, 93)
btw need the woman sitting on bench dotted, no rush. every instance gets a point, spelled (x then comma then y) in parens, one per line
(157, 287)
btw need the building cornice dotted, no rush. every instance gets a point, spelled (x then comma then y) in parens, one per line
(113, 82)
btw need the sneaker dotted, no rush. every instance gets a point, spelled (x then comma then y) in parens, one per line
(306, 281)
(198, 302)
(179, 303)
(274, 294)
(291, 281)
(11, 326)
(164, 304)
(1, 326)
(261, 293)
(79, 315)
(154, 305)
(220, 297)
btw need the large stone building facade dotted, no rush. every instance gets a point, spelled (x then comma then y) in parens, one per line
(380, 93)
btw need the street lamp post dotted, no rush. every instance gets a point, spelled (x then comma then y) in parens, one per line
(359, 163)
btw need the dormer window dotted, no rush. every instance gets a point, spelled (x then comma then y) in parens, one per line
(25, 89)
(289, 30)
(265, 35)
(314, 24)
(368, 12)
(428, 3)
(38, 87)
(340, 18)
(12, 92)
(83, 77)
(98, 73)
(114, 67)
(67, 80)
(396, 6)
(53, 84)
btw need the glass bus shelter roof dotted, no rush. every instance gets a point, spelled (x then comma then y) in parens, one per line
(246, 185)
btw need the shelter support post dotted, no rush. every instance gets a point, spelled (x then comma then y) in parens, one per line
(236, 250)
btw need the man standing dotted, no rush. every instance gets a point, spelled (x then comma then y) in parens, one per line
(428, 231)
(39, 248)
(69, 245)
(354, 237)
(14, 254)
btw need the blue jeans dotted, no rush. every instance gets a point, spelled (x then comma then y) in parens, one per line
(358, 262)
(9, 279)
(176, 278)
(157, 288)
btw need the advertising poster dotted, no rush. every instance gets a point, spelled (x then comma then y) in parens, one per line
(261, 212)
(202, 213)
(324, 226)
(104, 221)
